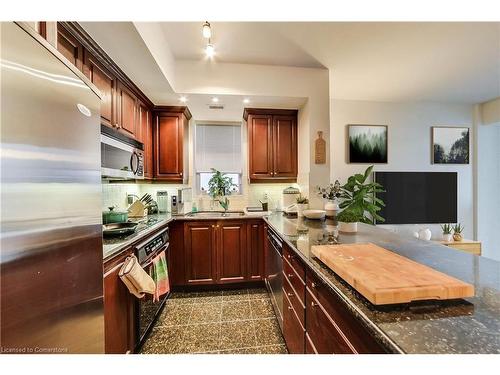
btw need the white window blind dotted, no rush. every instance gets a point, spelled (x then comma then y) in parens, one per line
(219, 147)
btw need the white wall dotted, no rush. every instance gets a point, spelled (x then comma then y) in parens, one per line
(409, 148)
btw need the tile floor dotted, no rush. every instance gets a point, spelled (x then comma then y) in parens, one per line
(234, 322)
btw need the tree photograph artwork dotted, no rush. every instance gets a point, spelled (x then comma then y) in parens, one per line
(367, 143)
(450, 145)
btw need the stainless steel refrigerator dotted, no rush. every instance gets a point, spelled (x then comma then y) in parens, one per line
(51, 237)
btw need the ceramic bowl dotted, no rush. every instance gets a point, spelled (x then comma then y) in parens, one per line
(314, 214)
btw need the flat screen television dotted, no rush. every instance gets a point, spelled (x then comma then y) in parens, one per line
(418, 197)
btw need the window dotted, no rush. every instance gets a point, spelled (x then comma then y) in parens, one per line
(219, 147)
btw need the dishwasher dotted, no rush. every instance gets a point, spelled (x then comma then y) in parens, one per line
(274, 272)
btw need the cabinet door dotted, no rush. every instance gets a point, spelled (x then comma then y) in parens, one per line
(69, 47)
(169, 146)
(118, 314)
(231, 251)
(145, 135)
(106, 83)
(260, 147)
(256, 241)
(293, 332)
(199, 250)
(126, 107)
(285, 146)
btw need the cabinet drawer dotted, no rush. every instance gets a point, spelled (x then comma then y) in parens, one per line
(297, 304)
(357, 335)
(324, 334)
(294, 279)
(293, 332)
(294, 261)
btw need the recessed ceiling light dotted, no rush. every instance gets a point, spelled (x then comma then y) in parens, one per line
(246, 100)
(206, 30)
(210, 50)
(183, 99)
(215, 99)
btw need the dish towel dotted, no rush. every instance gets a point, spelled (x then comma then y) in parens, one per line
(135, 278)
(160, 276)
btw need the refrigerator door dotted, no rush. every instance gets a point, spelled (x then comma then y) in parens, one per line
(51, 236)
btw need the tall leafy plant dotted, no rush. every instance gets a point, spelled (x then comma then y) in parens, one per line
(219, 186)
(359, 197)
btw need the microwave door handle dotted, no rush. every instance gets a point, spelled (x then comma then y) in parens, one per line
(134, 155)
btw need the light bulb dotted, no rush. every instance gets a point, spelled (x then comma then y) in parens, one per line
(215, 99)
(206, 30)
(246, 100)
(183, 99)
(210, 50)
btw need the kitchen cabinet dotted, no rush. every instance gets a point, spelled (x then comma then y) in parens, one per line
(330, 327)
(119, 309)
(126, 108)
(170, 144)
(200, 252)
(256, 233)
(106, 83)
(231, 251)
(69, 46)
(145, 135)
(293, 331)
(272, 144)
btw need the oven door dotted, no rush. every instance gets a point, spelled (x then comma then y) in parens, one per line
(274, 274)
(147, 310)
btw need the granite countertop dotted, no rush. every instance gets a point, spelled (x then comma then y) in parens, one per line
(469, 325)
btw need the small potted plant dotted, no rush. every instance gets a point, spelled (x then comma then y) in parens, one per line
(457, 232)
(447, 232)
(219, 186)
(302, 204)
(331, 193)
(348, 221)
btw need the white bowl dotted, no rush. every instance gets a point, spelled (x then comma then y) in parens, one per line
(314, 214)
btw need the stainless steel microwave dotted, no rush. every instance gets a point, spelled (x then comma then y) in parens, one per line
(122, 158)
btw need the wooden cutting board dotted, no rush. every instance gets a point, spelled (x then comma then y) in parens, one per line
(384, 277)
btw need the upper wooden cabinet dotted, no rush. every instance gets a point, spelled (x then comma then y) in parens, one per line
(170, 143)
(106, 83)
(272, 144)
(126, 106)
(70, 47)
(145, 135)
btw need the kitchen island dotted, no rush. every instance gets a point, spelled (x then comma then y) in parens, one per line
(469, 325)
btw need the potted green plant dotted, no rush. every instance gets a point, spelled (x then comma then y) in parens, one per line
(331, 193)
(447, 232)
(457, 232)
(219, 186)
(348, 221)
(302, 204)
(359, 197)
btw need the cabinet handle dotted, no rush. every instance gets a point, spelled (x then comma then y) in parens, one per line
(313, 304)
(181, 174)
(289, 294)
(290, 275)
(217, 226)
(290, 308)
(116, 124)
(213, 226)
(313, 285)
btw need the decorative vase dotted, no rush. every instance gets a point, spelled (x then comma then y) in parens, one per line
(300, 208)
(447, 237)
(425, 234)
(457, 237)
(348, 227)
(331, 208)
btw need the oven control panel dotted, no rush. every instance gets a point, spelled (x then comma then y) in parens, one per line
(151, 245)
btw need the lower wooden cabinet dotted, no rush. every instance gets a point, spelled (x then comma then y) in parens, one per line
(200, 252)
(255, 250)
(231, 251)
(293, 331)
(119, 310)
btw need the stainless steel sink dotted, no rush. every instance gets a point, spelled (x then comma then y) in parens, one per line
(216, 214)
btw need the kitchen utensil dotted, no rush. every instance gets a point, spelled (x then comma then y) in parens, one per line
(118, 229)
(137, 209)
(314, 214)
(113, 216)
(384, 277)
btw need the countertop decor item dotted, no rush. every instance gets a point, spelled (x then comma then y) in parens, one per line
(302, 204)
(137, 209)
(331, 193)
(348, 221)
(320, 149)
(219, 186)
(424, 234)
(384, 277)
(457, 232)
(450, 145)
(367, 144)
(359, 197)
(447, 232)
(112, 216)
(314, 214)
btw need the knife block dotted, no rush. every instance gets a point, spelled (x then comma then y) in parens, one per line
(137, 209)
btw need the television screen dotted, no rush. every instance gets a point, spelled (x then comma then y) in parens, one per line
(418, 197)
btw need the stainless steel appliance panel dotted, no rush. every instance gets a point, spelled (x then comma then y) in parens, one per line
(274, 273)
(51, 238)
(120, 160)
